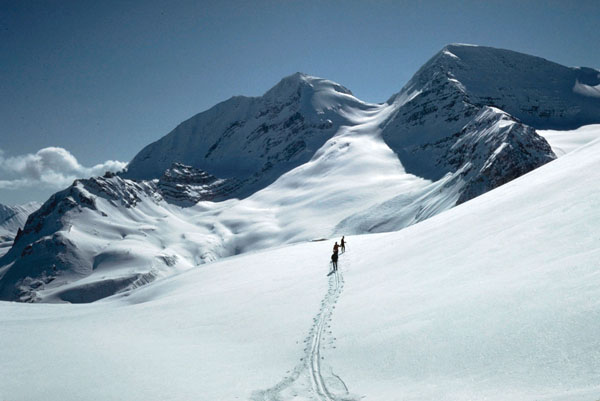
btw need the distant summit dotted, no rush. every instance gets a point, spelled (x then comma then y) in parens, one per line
(457, 89)
(538, 92)
(290, 85)
(253, 140)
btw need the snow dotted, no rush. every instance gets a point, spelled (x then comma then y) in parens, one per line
(447, 53)
(563, 142)
(496, 299)
(587, 90)
(11, 219)
(354, 183)
(538, 92)
(255, 140)
(308, 160)
(166, 342)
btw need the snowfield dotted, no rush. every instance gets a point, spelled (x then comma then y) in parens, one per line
(563, 142)
(496, 299)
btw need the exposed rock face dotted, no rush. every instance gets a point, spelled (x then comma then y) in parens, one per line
(185, 185)
(494, 149)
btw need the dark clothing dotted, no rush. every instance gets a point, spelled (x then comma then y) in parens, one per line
(334, 259)
(335, 248)
(343, 245)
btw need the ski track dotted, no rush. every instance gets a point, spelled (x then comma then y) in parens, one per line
(309, 380)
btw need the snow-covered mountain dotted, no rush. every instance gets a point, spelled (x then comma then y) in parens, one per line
(450, 97)
(253, 141)
(12, 218)
(306, 160)
(496, 299)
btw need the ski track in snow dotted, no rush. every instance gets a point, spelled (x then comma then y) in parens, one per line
(311, 379)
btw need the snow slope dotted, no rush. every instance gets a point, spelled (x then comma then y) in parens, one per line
(11, 219)
(496, 299)
(563, 142)
(254, 140)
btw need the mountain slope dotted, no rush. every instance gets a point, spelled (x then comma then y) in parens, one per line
(564, 142)
(110, 234)
(11, 219)
(538, 92)
(452, 90)
(496, 299)
(14, 217)
(306, 160)
(252, 141)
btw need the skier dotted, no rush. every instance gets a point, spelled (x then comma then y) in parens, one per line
(343, 244)
(334, 259)
(335, 248)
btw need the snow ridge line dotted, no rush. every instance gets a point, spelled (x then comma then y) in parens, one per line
(307, 380)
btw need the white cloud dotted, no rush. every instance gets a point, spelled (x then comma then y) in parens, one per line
(52, 167)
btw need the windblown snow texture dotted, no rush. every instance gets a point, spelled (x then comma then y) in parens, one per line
(308, 160)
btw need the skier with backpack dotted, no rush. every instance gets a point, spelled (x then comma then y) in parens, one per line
(334, 260)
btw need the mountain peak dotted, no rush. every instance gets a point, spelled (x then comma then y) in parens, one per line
(265, 135)
(288, 86)
(539, 92)
(476, 55)
(292, 85)
(448, 49)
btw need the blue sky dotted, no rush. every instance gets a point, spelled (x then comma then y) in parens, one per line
(102, 79)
